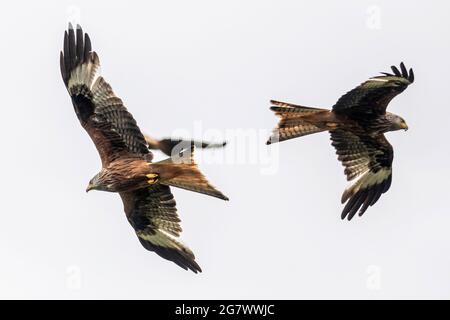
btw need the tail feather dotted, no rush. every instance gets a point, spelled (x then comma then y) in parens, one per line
(183, 172)
(292, 122)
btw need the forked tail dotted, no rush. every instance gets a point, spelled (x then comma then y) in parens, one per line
(295, 121)
(183, 172)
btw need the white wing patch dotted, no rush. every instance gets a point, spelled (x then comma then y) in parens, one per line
(378, 79)
(86, 73)
(163, 239)
(366, 179)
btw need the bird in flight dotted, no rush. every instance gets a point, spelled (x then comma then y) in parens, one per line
(169, 145)
(127, 166)
(357, 123)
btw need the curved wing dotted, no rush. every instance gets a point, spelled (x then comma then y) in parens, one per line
(372, 97)
(153, 215)
(368, 160)
(104, 116)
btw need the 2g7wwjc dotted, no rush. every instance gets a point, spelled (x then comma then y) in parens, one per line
(236, 309)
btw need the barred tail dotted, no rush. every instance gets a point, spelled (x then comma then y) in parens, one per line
(183, 172)
(292, 122)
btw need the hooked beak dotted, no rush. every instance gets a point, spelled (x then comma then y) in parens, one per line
(404, 126)
(89, 187)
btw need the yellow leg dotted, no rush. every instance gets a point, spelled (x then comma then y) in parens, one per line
(152, 178)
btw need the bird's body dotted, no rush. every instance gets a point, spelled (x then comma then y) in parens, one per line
(357, 123)
(327, 120)
(125, 174)
(127, 166)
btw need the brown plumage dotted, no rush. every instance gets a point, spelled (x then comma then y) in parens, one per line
(357, 123)
(126, 159)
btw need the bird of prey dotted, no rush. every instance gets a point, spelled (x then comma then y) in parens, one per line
(169, 145)
(357, 123)
(125, 156)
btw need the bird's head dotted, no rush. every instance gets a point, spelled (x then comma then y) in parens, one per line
(94, 183)
(396, 122)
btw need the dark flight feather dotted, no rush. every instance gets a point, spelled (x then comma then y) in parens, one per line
(396, 71)
(403, 74)
(100, 111)
(370, 160)
(371, 98)
(153, 215)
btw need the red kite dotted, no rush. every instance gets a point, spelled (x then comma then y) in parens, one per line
(357, 123)
(126, 159)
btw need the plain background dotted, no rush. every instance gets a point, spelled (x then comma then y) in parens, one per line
(218, 63)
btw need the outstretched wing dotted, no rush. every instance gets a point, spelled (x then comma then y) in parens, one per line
(111, 127)
(153, 215)
(371, 98)
(368, 160)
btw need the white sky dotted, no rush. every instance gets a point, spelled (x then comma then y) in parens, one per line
(179, 65)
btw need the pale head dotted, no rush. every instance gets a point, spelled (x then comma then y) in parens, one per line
(396, 122)
(97, 182)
